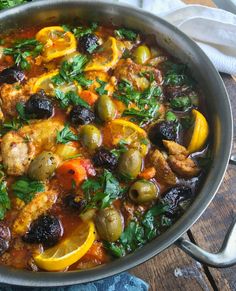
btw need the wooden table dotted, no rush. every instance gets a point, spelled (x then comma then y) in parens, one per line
(173, 269)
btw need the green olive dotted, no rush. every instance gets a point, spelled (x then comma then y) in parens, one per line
(109, 225)
(43, 166)
(142, 54)
(130, 163)
(105, 108)
(143, 191)
(90, 137)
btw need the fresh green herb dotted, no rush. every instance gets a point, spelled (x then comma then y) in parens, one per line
(138, 233)
(102, 191)
(23, 49)
(5, 203)
(20, 108)
(25, 188)
(13, 124)
(70, 70)
(66, 135)
(2, 41)
(101, 90)
(81, 79)
(74, 157)
(127, 34)
(146, 102)
(120, 149)
(170, 116)
(177, 75)
(115, 249)
(71, 97)
(181, 103)
(81, 30)
(126, 54)
(10, 3)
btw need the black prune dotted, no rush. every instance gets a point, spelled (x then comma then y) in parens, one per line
(11, 75)
(39, 105)
(104, 158)
(46, 230)
(5, 237)
(70, 202)
(81, 115)
(167, 130)
(88, 43)
(175, 198)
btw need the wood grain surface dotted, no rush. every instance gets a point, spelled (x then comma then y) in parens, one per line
(173, 269)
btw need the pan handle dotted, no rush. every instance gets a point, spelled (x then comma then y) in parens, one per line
(226, 256)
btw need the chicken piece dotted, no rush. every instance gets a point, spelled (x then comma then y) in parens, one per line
(179, 161)
(174, 148)
(41, 203)
(130, 71)
(19, 148)
(11, 94)
(16, 153)
(163, 170)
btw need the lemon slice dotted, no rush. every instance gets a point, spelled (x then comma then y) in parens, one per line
(200, 132)
(57, 42)
(44, 82)
(69, 250)
(121, 129)
(106, 58)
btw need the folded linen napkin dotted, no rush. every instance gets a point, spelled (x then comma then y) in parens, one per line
(213, 29)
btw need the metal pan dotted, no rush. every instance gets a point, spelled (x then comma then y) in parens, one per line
(220, 119)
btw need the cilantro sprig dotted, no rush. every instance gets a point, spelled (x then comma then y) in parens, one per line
(79, 31)
(124, 33)
(69, 98)
(5, 203)
(22, 49)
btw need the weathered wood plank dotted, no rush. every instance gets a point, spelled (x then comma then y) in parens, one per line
(173, 270)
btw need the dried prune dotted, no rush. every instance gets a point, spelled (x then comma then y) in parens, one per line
(176, 199)
(88, 43)
(81, 115)
(70, 202)
(11, 75)
(167, 130)
(46, 230)
(39, 105)
(104, 158)
(5, 237)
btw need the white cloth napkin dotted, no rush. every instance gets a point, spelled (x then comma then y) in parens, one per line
(213, 29)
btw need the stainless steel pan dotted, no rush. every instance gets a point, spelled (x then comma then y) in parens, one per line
(220, 119)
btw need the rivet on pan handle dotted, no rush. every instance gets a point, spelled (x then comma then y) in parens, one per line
(226, 256)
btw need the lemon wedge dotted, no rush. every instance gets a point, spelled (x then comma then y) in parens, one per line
(69, 250)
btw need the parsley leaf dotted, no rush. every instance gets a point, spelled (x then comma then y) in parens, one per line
(127, 34)
(10, 3)
(181, 103)
(71, 97)
(5, 203)
(102, 191)
(101, 90)
(25, 188)
(170, 116)
(66, 135)
(22, 49)
(83, 81)
(79, 31)
(70, 70)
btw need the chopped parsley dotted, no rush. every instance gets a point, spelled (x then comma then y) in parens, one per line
(66, 135)
(25, 188)
(102, 191)
(22, 49)
(5, 203)
(79, 31)
(138, 233)
(101, 90)
(170, 116)
(181, 103)
(69, 98)
(70, 70)
(127, 34)
(177, 75)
